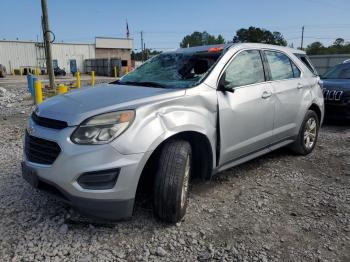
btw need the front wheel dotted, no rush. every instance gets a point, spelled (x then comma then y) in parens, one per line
(172, 181)
(307, 138)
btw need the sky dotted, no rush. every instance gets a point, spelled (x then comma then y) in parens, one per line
(165, 22)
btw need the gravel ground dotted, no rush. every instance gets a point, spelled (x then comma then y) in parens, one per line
(279, 207)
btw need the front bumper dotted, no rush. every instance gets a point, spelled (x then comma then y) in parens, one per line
(74, 160)
(97, 208)
(337, 111)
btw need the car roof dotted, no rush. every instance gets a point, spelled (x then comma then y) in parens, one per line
(204, 48)
(267, 46)
(346, 65)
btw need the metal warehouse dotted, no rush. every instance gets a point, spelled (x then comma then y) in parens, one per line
(23, 54)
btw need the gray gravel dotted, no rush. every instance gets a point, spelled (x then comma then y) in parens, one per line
(279, 207)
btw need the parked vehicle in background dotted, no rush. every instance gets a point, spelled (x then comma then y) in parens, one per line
(336, 89)
(59, 72)
(2, 71)
(181, 115)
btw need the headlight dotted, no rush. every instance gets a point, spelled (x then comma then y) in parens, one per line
(102, 129)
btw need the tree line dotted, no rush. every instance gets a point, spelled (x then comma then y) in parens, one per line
(251, 35)
(261, 35)
(338, 47)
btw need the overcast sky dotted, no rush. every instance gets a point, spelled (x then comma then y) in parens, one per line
(165, 23)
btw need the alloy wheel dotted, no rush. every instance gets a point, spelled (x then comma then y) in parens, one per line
(310, 133)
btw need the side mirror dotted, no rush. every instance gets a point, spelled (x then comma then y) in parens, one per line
(223, 84)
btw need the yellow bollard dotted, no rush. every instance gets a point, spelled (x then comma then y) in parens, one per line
(62, 89)
(115, 71)
(38, 92)
(93, 78)
(78, 80)
(20, 72)
(126, 70)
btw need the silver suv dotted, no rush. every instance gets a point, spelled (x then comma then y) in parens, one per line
(182, 115)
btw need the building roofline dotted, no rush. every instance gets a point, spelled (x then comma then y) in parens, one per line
(18, 41)
(117, 38)
(35, 42)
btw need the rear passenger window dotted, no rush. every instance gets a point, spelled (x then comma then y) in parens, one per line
(306, 62)
(280, 65)
(296, 71)
(245, 69)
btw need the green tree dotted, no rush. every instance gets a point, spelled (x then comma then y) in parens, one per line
(259, 35)
(201, 38)
(147, 53)
(339, 42)
(339, 46)
(315, 48)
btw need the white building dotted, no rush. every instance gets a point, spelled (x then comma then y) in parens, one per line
(20, 54)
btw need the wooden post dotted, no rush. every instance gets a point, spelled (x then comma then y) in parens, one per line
(47, 38)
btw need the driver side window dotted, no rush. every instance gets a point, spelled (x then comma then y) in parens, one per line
(245, 69)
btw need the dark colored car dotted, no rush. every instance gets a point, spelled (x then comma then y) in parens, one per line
(336, 90)
(59, 72)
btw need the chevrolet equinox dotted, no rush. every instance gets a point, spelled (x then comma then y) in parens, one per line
(184, 114)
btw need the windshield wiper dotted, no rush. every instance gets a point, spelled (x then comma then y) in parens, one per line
(148, 84)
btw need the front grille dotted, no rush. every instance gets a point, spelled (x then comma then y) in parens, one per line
(332, 95)
(48, 122)
(40, 151)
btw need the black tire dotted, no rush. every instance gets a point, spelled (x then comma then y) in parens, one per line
(169, 204)
(300, 146)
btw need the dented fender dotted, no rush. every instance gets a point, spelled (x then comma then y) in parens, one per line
(155, 122)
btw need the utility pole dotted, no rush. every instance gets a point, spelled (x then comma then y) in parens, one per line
(302, 38)
(142, 46)
(47, 41)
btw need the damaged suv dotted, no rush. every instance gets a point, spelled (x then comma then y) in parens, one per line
(184, 114)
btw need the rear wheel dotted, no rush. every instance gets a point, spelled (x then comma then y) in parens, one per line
(172, 181)
(307, 138)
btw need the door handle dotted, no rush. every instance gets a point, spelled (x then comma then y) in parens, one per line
(299, 86)
(266, 94)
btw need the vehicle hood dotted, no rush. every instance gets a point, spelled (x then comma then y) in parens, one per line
(78, 105)
(336, 84)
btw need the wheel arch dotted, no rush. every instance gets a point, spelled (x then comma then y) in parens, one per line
(202, 157)
(314, 107)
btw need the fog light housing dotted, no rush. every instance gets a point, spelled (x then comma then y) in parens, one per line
(99, 180)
